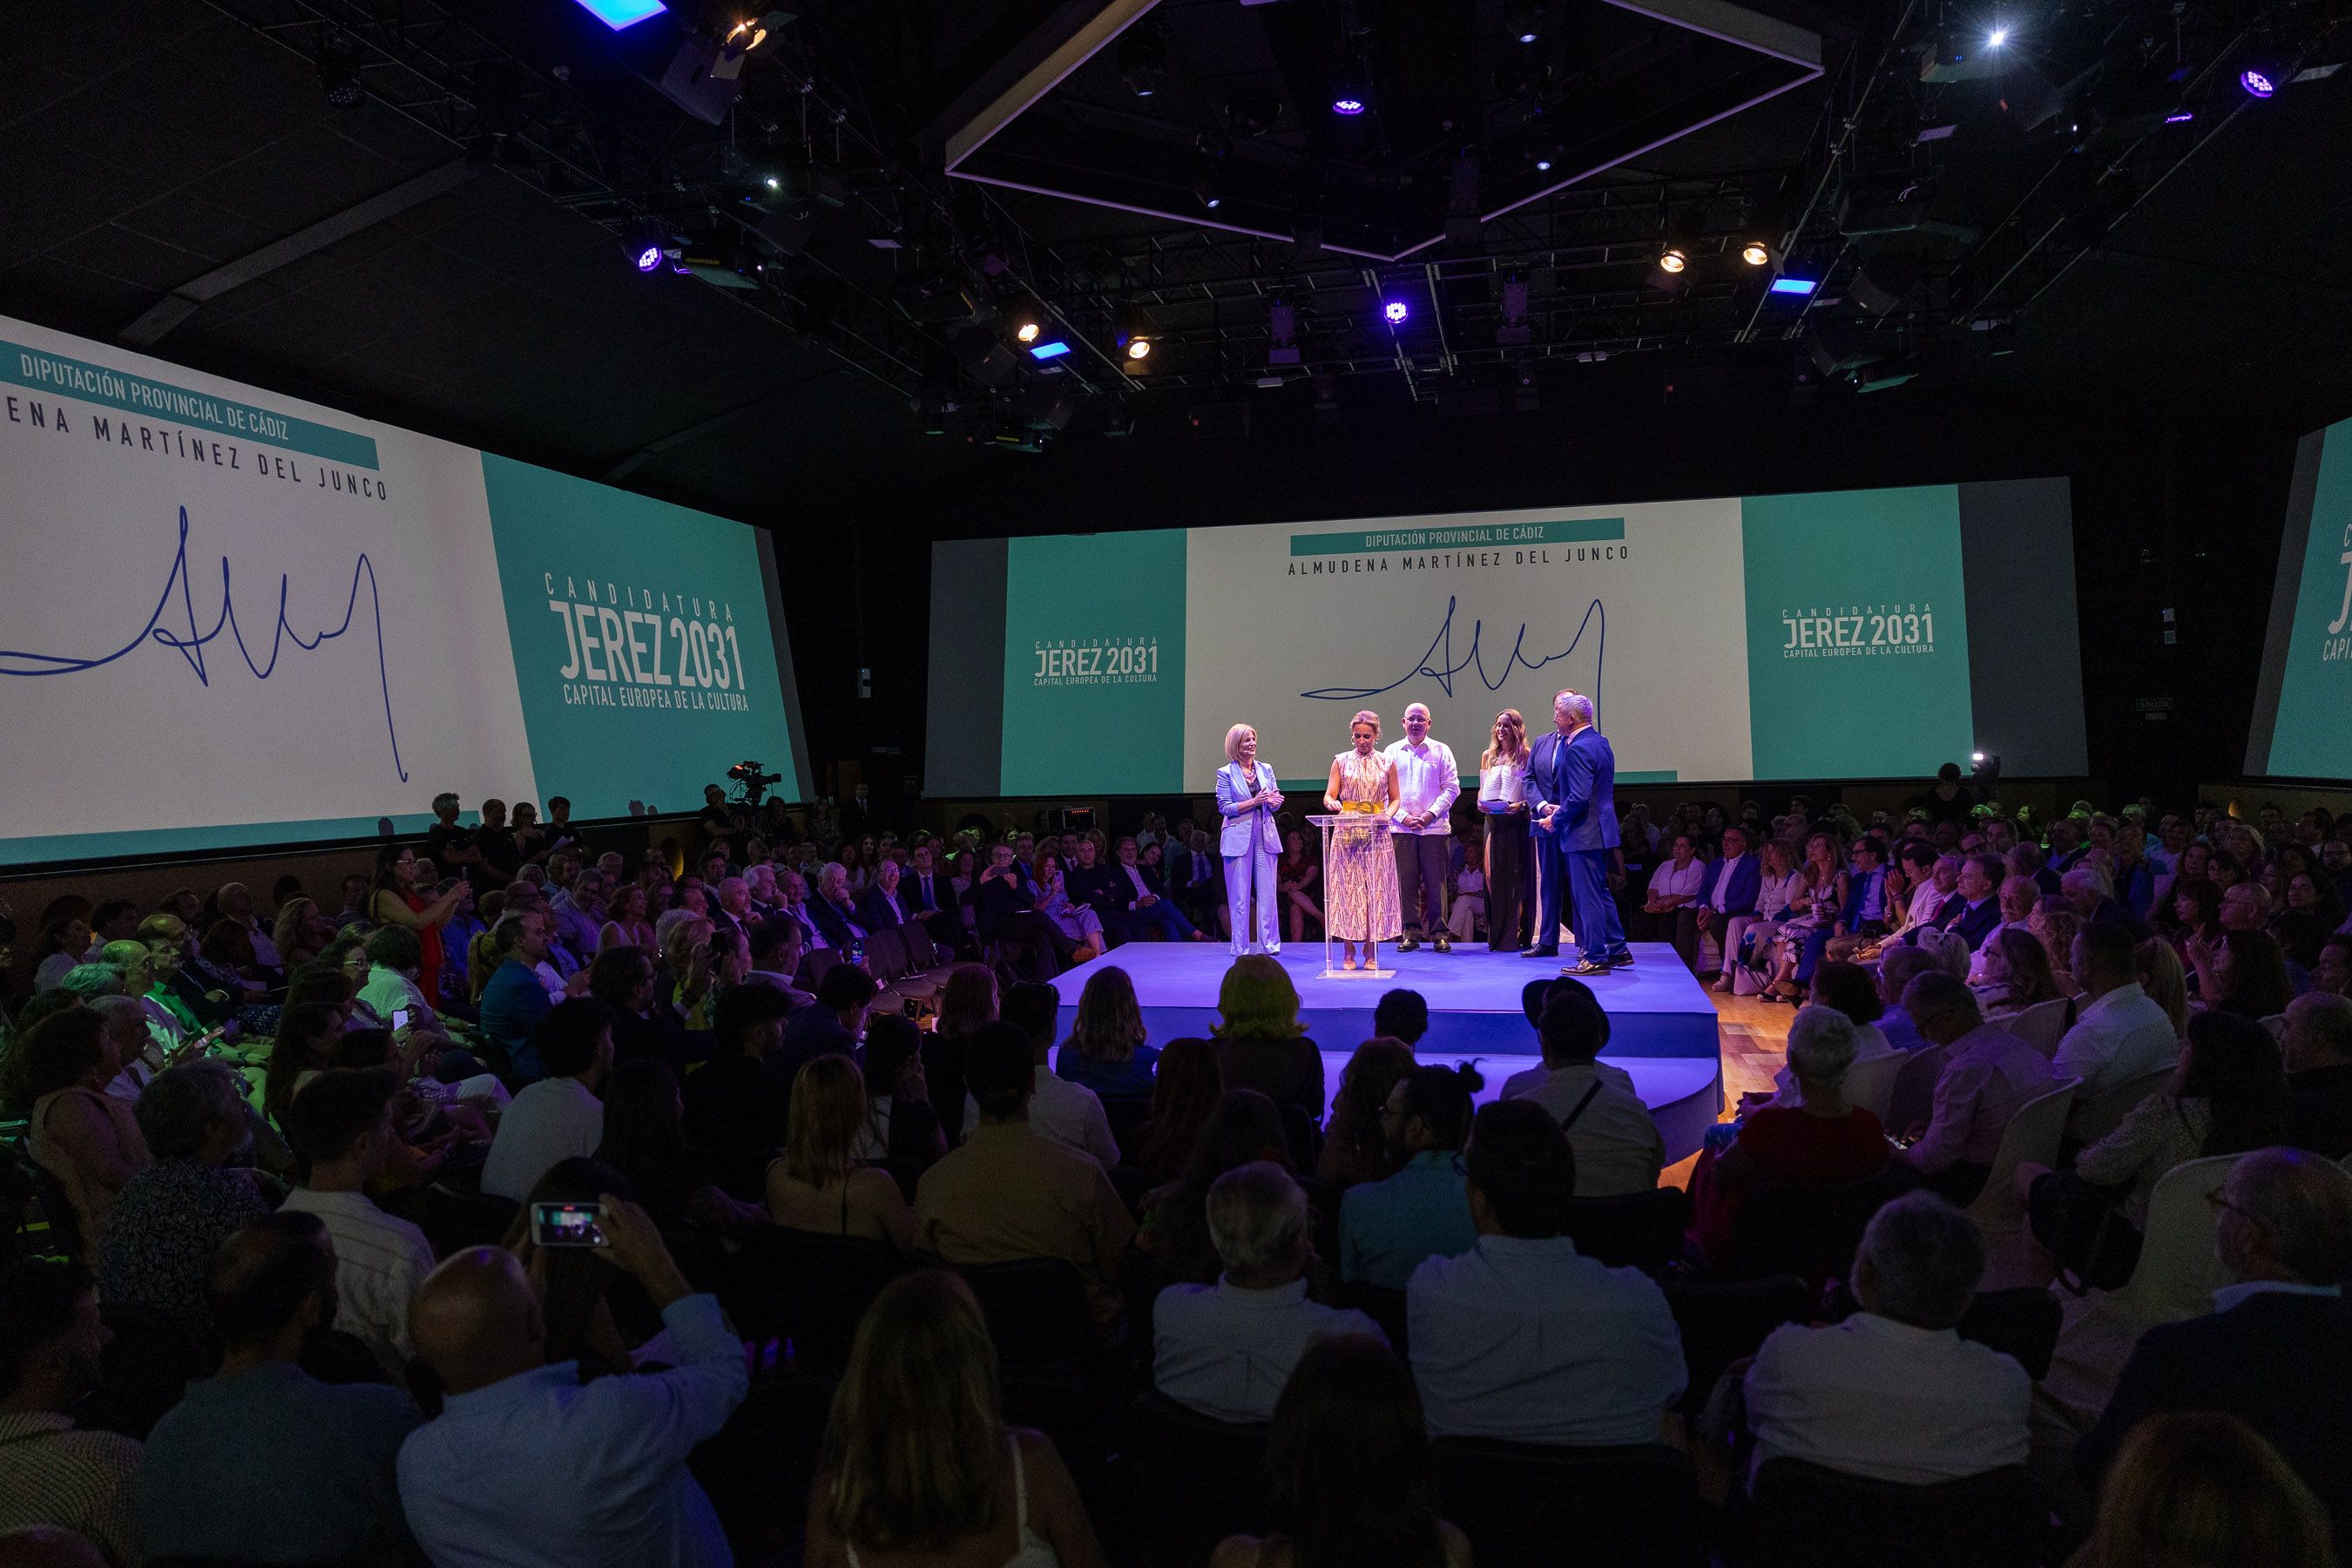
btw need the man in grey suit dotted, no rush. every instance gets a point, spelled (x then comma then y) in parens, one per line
(1572, 795)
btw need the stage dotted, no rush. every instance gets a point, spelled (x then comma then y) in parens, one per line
(1662, 1026)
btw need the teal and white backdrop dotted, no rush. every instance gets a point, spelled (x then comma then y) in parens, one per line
(1861, 633)
(230, 618)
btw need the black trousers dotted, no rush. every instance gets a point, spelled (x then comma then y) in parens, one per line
(1045, 946)
(1421, 860)
(1506, 883)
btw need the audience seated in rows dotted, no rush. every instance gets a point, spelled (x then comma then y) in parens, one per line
(1893, 1393)
(1619, 1150)
(1988, 1074)
(1243, 1128)
(1105, 1051)
(341, 1123)
(1258, 1035)
(2319, 1060)
(1227, 1349)
(819, 1184)
(558, 1116)
(1008, 1193)
(1065, 1111)
(1354, 1147)
(1388, 1227)
(1518, 1337)
(52, 1473)
(263, 1462)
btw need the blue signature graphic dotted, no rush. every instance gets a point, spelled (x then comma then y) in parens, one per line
(1439, 664)
(191, 644)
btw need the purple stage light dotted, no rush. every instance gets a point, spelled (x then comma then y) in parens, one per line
(649, 258)
(2179, 117)
(1395, 310)
(2257, 83)
(1345, 104)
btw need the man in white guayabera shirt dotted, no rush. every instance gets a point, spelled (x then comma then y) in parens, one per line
(1427, 782)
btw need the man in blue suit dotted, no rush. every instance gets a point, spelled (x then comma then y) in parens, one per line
(1728, 890)
(1572, 799)
(1974, 910)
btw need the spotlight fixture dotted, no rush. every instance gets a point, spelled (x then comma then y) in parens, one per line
(339, 75)
(1347, 103)
(1673, 258)
(1679, 246)
(1351, 94)
(1395, 311)
(1997, 38)
(2259, 80)
(645, 242)
(1209, 193)
(1028, 330)
(1523, 20)
(1143, 59)
(1756, 253)
(1543, 166)
(1139, 348)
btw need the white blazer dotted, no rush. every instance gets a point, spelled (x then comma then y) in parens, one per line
(1245, 827)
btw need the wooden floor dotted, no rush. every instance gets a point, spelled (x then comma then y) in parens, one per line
(1755, 1040)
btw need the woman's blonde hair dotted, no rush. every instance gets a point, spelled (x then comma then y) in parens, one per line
(968, 1000)
(1517, 726)
(1257, 1001)
(2166, 983)
(1366, 717)
(828, 1112)
(1233, 741)
(2191, 1490)
(1110, 1024)
(687, 934)
(916, 1433)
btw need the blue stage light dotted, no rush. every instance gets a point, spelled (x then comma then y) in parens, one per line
(1794, 285)
(2257, 82)
(619, 14)
(1053, 349)
(1395, 310)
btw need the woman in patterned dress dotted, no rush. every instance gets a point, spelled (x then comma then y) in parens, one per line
(1360, 885)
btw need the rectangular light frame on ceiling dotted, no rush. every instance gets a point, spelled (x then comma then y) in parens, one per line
(621, 14)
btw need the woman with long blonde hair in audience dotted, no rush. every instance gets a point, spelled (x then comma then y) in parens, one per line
(819, 1184)
(2017, 974)
(2203, 1490)
(918, 1468)
(2165, 980)
(1106, 1050)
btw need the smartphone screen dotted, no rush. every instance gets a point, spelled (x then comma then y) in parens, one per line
(400, 1017)
(568, 1225)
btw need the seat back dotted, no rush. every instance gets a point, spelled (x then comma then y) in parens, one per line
(1914, 1097)
(2032, 1135)
(2105, 1111)
(1036, 1311)
(921, 951)
(65, 1225)
(1638, 1230)
(1871, 1083)
(2021, 1323)
(2042, 1026)
(1529, 1504)
(1127, 1113)
(1809, 1515)
(1199, 1479)
(811, 1288)
(1721, 1322)
(1304, 1136)
(2277, 1023)
(2177, 1270)
(1384, 1305)
(886, 954)
(814, 966)
(1809, 1228)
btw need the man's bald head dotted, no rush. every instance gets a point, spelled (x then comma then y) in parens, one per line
(476, 1319)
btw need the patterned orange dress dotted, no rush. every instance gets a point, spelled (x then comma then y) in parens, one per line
(1360, 884)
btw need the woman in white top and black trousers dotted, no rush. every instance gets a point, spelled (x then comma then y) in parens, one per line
(1503, 805)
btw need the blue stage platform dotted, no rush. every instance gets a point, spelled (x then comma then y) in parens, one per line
(1662, 1025)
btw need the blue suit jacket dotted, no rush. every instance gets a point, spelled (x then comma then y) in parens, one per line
(1973, 925)
(1857, 888)
(1740, 899)
(1241, 826)
(1579, 776)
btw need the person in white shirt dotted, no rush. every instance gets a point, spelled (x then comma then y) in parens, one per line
(2120, 1032)
(1428, 781)
(1893, 1393)
(394, 957)
(1226, 1350)
(1618, 1146)
(1674, 890)
(342, 1121)
(1522, 1339)
(559, 1117)
(1068, 1113)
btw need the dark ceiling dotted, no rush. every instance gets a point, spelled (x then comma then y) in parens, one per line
(2067, 241)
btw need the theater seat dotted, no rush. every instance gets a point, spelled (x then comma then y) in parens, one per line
(1036, 1311)
(811, 1288)
(1721, 1322)
(1807, 1516)
(1808, 1228)
(1197, 1480)
(1638, 1230)
(1531, 1505)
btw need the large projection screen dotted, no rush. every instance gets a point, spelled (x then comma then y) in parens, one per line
(1842, 635)
(228, 618)
(2302, 724)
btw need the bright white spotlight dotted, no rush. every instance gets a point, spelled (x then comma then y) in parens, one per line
(1997, 38)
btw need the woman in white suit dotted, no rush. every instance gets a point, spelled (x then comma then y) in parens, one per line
(1251, 842)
